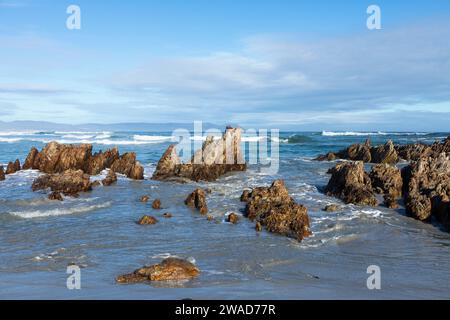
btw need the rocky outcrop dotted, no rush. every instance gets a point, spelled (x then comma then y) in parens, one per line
(351, 183)
(386, 179)
(388, 153)
(197, 200)
(110, 178)
(127, 165)
(274, 209)
(427, 188)
(13, 167)
(331, 208)
(147, 220)
(69, 183)
(57, 158)
(384, 154)
(2, 174)
(170, 269)
(215, 158)
(55, 196)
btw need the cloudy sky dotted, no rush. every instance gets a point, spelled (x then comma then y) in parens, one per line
(305, 65)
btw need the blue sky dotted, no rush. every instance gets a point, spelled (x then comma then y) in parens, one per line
(307, 65)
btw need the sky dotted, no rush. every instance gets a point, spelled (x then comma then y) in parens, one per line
(304, 65)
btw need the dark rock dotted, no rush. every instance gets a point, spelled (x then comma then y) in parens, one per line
(69, 183)
(167, 215)
(147, 220)
(58, 158)
(2, 174)
(350, 183)
(197, 200)
(274, 209)
(171, 269)
(233, 218)
(156, 204)
(31, 158)
(96, 183)
(386, 179)
(13, 167)
(245, 195)
(359, 152)
(390, 201)
(55, 196)
(216, 158)
(145, 198)
(427, 184)
(110, 178)
(384, 154)
(258, 226)
(128, 166)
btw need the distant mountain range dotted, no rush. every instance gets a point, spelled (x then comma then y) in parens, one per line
(50, 126)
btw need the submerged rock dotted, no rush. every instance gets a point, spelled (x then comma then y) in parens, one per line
(147, 220)
(110, 178)
(2, 174)
(58, 158)
(197, 200)
(350, 183)
(69, 183)
(145, 198)
(232, 218)
(215, 158)
(156, 204)
(13, 167)
(331, 208)
(55, 196)
(170, 269)
(274, 209)
(167, 215)
(390, 201)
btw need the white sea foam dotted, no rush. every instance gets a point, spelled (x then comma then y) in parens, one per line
(378, 133)
(152, 138)
(58, 212)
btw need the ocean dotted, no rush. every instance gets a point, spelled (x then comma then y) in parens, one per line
(39, 238)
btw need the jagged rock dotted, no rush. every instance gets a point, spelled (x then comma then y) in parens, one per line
(110, 178)
(331, 208)
(350, 183)
(145, 198)
(156, 204)
(386, 179)
(57, 158)
(330, 156)
(215, 158)
(13, 167)
(147, 220)
(99, 161)
(31, 158)
(385, 154)
(2, 174)
(170, 269)
(55, 196)
(96, 183)
(233, 218)
(69, 183)
(197, 200)
(413, 152)
(128, 166)
(258, 226)
(274, 209)
(359, 152)
(427, 186)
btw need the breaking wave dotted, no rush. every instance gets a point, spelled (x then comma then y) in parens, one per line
(58, 212)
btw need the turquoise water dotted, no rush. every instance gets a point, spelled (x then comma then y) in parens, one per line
(40, 238)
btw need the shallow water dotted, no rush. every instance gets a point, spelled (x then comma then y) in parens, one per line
(97, 231)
